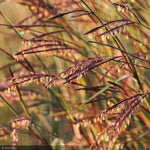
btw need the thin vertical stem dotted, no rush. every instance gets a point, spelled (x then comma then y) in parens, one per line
(20, 97)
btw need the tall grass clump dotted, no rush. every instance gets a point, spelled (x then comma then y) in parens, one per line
(75, 74)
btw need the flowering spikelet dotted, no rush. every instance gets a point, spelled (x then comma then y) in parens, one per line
(14, 135)
(113, 28)
(110, 24)
(123, 8)
(36, 77)
(20, 123)
(113, 130)
(39, 8)
(52, 47)
(81, 67)
(3, 133)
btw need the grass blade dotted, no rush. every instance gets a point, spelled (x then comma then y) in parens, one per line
(9, 106)
(103, 89)
(11, 24)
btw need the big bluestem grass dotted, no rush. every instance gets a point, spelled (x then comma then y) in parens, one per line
(77, 76)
